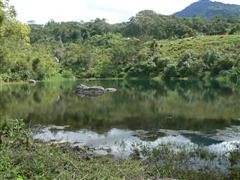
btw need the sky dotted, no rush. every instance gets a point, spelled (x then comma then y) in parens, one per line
(114, 11)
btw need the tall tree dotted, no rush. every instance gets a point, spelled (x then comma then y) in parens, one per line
(1, 13)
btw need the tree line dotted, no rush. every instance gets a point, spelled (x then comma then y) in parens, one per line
(97, 49)
(146, 25)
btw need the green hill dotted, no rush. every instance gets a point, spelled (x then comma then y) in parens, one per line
(226, 45)
(200, 57)
(209, 9)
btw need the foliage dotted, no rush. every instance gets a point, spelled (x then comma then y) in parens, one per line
(18, 59)
(148, 45)
(21, 158)
(1, 13)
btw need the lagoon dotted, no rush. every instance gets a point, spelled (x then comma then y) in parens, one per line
(141, 113)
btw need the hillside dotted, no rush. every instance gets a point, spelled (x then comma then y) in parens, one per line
(210, 9)
(225, 45)
(200, 57)
(148, 45)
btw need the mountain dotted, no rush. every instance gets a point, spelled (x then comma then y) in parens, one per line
(210, 9)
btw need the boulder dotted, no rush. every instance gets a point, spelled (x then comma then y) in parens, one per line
(97, 88)
(84, 90)
(31, 81)
(81, 86)
(110, 90)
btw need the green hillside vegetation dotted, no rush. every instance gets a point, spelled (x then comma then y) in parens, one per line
(210, 56)
(149, 45)
(223, 44)
(18, 59)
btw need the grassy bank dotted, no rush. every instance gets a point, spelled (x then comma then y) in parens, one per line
(24, 159)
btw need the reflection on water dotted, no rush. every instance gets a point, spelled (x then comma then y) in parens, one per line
(147, 105)
(148, 112)
(123, 143)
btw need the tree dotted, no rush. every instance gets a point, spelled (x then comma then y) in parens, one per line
(143, 24)
(98, 27)
(1, 13)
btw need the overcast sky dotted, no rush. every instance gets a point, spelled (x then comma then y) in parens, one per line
(113, 10)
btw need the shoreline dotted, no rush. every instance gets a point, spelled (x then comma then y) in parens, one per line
(23, 158)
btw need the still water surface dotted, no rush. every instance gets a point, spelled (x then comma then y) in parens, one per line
(141, 112)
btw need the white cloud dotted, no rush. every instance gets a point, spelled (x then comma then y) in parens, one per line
(75, 10)
(44, 10)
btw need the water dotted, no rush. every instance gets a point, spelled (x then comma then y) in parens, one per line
(150, 113)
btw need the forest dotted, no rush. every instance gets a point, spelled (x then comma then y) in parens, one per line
(149, 45)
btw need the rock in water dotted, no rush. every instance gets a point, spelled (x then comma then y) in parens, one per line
(110, 90)
(84, 90)
(31, 81)
(97, 88)
(81, 86)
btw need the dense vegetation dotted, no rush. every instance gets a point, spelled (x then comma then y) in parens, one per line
(209, 9)
(19, 60)
(148, 45)
(21, 158)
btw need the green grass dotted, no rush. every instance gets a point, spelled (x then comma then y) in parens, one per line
(21, 158)
(174, 49)
(43, 161)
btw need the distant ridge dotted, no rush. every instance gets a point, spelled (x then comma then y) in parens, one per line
(209, 9)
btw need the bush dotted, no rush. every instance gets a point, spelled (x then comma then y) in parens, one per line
(190, 65)
(170, 72)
